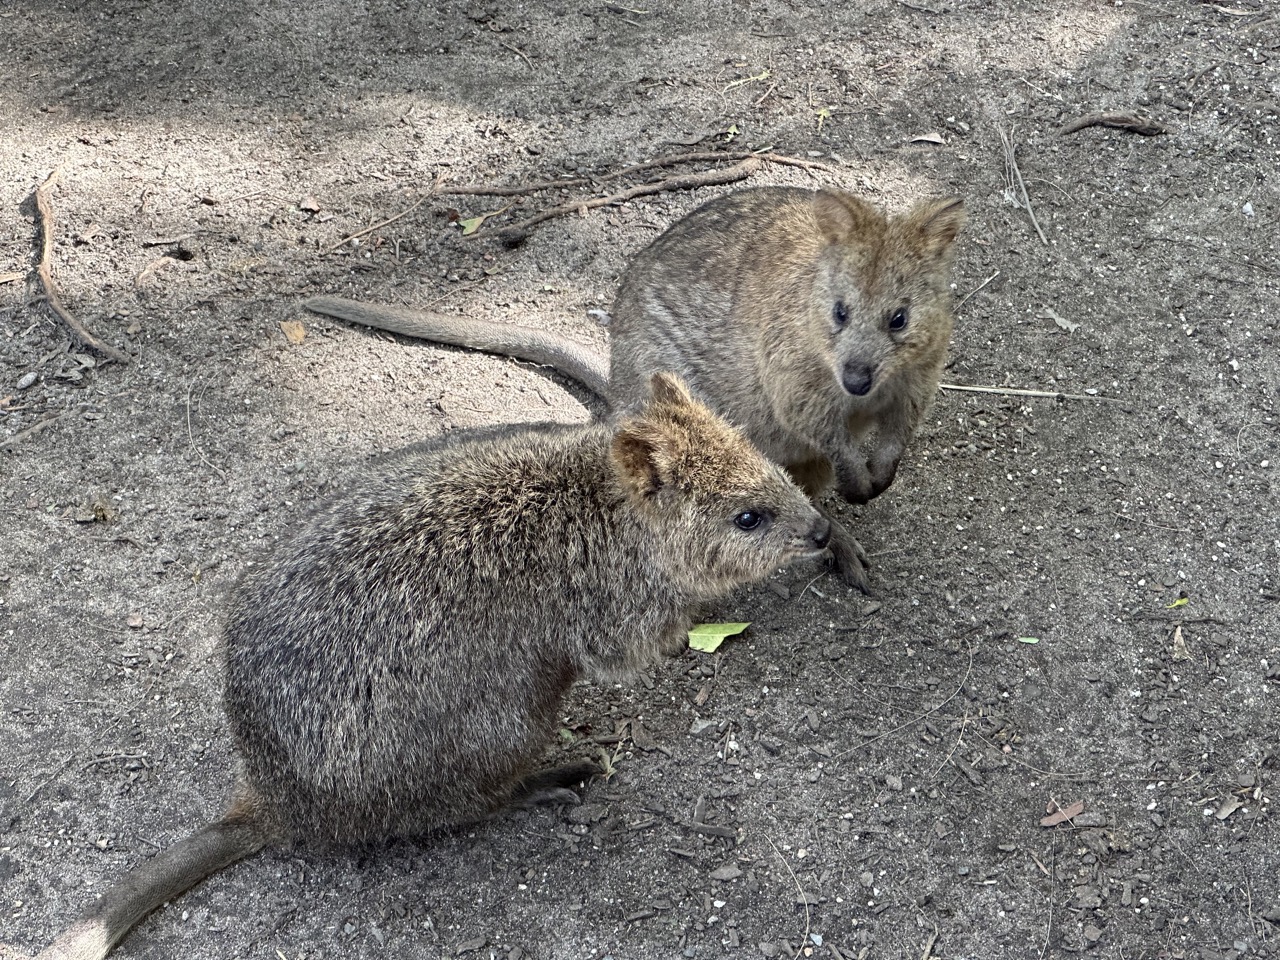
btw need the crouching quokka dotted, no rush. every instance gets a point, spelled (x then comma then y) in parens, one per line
(397, 666)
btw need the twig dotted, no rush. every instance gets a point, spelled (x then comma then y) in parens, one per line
(49, 779)
(969, 296)
(521, 189)
(517, 50)
(192, 437)
(145, 274)
(1034, 769)
(169, 241)
(115, 756)
(914, 720)
(377, 226)
(1053, 866)
(1120, 121)
(1012, 392)
(44, 211)
(959, 740)
(803, 899)
(31, 431)
(689, 181)
(1014, 174)
(10, 277)
(933, 937)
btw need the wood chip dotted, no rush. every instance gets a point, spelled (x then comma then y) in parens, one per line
(1130, 122)
(1065, 814)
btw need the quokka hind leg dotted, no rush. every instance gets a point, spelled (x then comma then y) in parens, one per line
(553, 784)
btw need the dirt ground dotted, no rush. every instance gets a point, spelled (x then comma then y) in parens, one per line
(850, 779)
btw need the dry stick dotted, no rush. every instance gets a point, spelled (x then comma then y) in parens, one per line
(1013, 392)
(44, 211)
(31, 431)
(378, 226)
(803, 899)
(1011, 165)
(520, 189)
(49, 779)
(933, 937)
(517, 50)
(115, 756)
(969, 295)
(145, 274)
(1120, 121)
(10, 277)
(691, 181)
(1053, 866)
(914, 720)
(1034, 769)
(192, 437)
(956, 746)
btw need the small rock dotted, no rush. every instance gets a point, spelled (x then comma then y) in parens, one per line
(700, 726)
(730, 871)
(768, 949)
(28, 380)
(893, 783)
(588, 813)
(1092, 933)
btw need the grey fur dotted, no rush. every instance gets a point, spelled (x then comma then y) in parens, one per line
(737, 298)
(397, 666)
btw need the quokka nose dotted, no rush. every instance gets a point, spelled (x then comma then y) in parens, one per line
(857, 378)
(821, 533)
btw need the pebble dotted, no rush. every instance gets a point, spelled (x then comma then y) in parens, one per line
(27, 380)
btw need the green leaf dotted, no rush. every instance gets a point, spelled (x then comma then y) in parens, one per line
(707, 637)
(1180, 602)
(472, 224)
(1028, 639)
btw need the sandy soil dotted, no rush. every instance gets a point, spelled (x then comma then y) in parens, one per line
(878, 772)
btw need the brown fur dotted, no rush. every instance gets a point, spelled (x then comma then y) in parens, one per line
(738, 298)
(397, 666)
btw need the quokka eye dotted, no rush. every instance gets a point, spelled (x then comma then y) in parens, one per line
(750, 519)
(898, 320)
(840, 315)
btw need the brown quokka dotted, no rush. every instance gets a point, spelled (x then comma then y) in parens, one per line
(809, 318)
(398, 665)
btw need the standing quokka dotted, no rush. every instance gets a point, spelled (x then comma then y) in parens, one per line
(397, 667)
(809, 318)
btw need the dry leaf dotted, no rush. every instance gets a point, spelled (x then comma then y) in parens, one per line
(1228, 807)
(309, 204)
(1063, 814)
(934, 138)
(1049, 314)
(1180, 651)
(294, 331)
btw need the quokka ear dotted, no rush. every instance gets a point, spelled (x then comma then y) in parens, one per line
(641, 457)
(937, 223)
(668, 389)
(842, 217)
